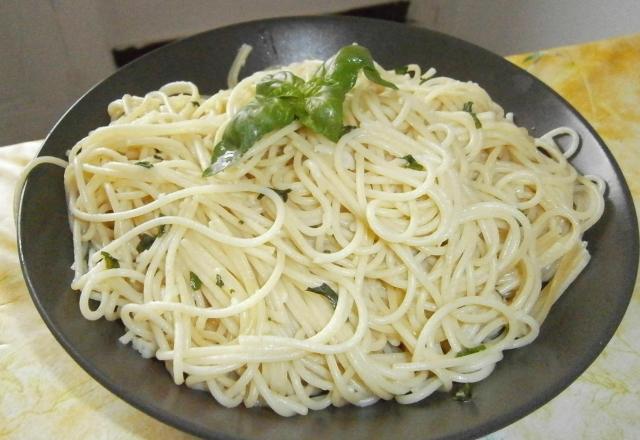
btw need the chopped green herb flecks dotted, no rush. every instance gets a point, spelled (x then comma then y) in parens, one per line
(327, 292)
(462, 392)
(144, 164)
(348, 128)
(283, 193)
(157, 156)
(109, 261)
(219, 281)
(468, 351)
(404, 70)
(194, 281)
(145, 242)
(468, 107)
(162, 228)
(413, 163)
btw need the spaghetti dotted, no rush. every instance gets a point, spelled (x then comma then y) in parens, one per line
(406, 257)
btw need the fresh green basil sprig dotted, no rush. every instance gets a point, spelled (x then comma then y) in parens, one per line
(283, 97)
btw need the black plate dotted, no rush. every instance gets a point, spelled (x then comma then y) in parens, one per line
(576, 331)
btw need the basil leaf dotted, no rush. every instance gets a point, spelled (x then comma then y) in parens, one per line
(194, 281)
(468, 351)
(326, 291)
(109, 261)
(145, 242)
(413, 163)
(283, 97)
(468, 107)
(283, 193)
(404, 70)
(462, 392)
(248, 125)
(219, 281)
(280, 85)
(348, 128)
(144, 164)
(372, 74)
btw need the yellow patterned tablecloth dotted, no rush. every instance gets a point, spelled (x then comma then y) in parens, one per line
(44, 394)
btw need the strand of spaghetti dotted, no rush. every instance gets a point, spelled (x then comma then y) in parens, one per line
(258, 295)
(430, 227)
(181, 194)
(17, 192)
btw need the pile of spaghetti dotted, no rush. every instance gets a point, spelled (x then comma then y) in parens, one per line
(402, 259)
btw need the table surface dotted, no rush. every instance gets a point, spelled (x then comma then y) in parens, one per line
(44, 394)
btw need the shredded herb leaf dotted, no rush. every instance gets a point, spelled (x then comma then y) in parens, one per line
(468, 107)
(283, 193)
(109, 261)
(413, 163)
(145, 242)
(194, 281)
(219, 281)
(462, 392)
(157, 156)
(347, 128)
(468, 351)
(404, 70)
(401, 70)
(326, 291)
(144, 164)
(162, 228)
(195, 103)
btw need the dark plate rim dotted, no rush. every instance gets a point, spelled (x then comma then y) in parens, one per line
(543, 397)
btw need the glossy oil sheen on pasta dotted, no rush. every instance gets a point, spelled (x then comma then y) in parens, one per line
(446, 231)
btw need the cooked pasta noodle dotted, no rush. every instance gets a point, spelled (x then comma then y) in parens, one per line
(446, 231)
